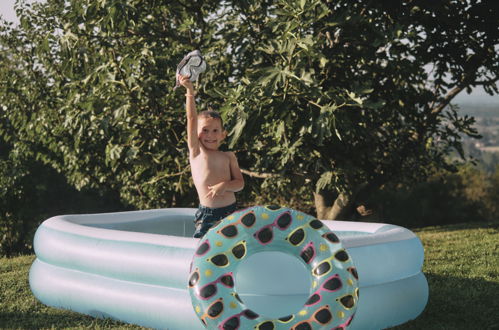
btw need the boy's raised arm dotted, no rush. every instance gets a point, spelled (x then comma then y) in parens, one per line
(192, 117)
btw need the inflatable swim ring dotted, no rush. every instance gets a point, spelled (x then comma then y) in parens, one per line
(332, 273)
(134, 267)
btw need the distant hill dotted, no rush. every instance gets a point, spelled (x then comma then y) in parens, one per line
(478, 104)
(475, 109)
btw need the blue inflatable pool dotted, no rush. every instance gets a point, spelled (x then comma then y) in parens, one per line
(134, 267)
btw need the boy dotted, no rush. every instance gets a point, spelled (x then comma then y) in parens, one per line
(215, 173)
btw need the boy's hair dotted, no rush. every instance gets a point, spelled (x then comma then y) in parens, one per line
(211, 114)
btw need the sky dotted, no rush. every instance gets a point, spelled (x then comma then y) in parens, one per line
(478, 95)
(7, 10)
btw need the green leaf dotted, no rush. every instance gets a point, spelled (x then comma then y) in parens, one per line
(355, 98)
(237, 131)
(302, 4)
(324, 180)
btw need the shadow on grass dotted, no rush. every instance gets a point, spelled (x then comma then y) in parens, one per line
(459, 226)
(57, 319)
(458, 303)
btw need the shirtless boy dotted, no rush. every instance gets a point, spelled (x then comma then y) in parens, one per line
(215, 173)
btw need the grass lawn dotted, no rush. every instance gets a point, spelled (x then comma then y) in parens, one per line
(461, 265)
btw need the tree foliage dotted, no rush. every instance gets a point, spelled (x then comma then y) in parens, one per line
(467, 195)
(89, 91)
(31, 192)
(338, 94)
(329, 97)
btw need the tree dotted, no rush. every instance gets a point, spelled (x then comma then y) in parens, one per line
(345, 103)
(333, 97)
(89, 92)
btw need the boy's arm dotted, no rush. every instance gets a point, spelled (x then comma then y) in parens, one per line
(237, 182)
(192, 117)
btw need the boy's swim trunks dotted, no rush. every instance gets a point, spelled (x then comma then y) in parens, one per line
(207, 217)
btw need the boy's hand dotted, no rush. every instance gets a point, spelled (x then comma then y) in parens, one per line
(216, 190)
(185, 81)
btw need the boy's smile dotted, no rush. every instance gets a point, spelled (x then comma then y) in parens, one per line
(210, 132)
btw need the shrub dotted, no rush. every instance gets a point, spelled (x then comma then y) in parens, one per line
(469, 195)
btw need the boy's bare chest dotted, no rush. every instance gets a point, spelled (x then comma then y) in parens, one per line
(210, 164)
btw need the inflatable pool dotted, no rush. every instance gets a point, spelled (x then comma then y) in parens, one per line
(134, 267)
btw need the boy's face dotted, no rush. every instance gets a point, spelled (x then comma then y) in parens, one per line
(210, 132)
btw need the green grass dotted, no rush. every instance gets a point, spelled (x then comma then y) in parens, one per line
(461, 265)
(462, 269)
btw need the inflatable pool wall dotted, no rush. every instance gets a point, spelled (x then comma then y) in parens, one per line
(134, 267)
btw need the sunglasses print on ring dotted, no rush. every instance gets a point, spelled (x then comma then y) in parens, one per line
(265, 235)
(332, 284)
(322, 316)
(203, 248)
(325, 266)
(347, 301)
(210, 289)
(194, 278)
(353, 271)
(308, 253)
(298, 235)
(331, 237)
(221, 259)
(234, 321)
(230, 230)
(214, 310)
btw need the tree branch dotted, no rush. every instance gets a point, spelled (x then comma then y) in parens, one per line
(168, 175)
(273, 175)
(457, 90)
(259, 175)
(447, 99)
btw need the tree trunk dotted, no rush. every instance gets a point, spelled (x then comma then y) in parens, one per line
(331, 206)
(322, 205)
(343, 208)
